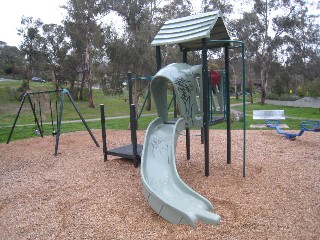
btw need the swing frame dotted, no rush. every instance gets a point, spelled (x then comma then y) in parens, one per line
(59, 117)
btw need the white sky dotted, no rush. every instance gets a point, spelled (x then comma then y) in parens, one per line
(48, 11)
(11, 12)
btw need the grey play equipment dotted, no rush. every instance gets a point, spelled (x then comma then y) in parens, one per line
(133, 150)
(163, 189)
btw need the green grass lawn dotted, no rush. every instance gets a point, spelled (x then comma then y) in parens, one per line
(294, 115)
(114, 106)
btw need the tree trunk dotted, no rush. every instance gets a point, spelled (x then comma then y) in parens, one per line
(148, 105)
(136, 97)
(90, 97)
(88, 74)
(264, 80)
(55, 79)
(29, 73)
(251, 90)
(263, 90)
(82, 85)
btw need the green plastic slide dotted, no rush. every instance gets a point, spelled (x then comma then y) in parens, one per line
(162, 187)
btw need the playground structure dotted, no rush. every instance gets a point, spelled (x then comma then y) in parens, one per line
(203, 32)
(55, 132)
(132, 151)
(162, 187)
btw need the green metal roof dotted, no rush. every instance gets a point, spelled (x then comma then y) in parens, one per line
(189, 31)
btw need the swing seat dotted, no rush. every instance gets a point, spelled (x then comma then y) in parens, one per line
(272, 123)
(291, 136)
(38, 132)
(310, 125)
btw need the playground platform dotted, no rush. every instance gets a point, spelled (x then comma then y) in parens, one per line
(125, 151)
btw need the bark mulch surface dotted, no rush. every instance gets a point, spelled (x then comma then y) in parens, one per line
(77, 195)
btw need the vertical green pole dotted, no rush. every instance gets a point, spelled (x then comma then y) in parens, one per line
(185, 60)
(226, 49)
(133, 123)
(158, 57)
(205, 98)
(244, 109)
(133, 127)
(59, 125)
(103, 132)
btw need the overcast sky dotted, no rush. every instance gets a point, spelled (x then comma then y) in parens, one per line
(11, 12)
(48, 11)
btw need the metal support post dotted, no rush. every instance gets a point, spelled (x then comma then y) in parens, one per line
(185, 60)
(133, 127)
(158, 57)
(205, 98)
(103, 132)
(16, 119)
(78, 111)
(226, 48)
(59, 125)
(244, 109)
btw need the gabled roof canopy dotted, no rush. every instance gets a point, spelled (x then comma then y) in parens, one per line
(189, 31)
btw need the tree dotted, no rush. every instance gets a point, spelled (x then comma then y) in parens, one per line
(82, 27)
(138, 32)
(143, 19)
(114, 63)
(31, 44)
(264, 36)
(246, 29)
(57, 49)
(300, 37)
(173, 9)
(11, 60)
(222, 5)
(262, 9)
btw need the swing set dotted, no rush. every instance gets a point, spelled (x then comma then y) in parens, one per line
(37, 130)
(39, 126)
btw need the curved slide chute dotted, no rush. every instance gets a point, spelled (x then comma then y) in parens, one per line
(163, 189)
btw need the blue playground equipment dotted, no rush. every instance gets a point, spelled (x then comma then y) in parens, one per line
(309, 125)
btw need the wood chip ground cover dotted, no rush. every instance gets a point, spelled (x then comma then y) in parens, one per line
(77, 195)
